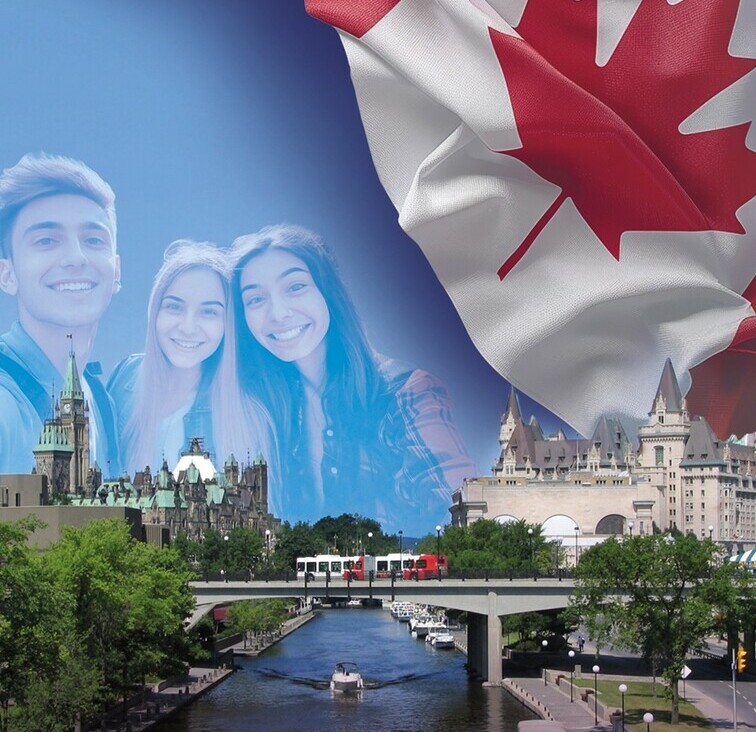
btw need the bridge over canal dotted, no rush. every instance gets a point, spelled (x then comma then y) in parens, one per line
(485, 601)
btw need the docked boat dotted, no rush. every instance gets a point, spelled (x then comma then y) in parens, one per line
(346, 677)
(402, 607)
(421, 626)
(442, 640)
(354, 603)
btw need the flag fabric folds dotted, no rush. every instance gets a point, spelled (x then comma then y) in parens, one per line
(581, 178)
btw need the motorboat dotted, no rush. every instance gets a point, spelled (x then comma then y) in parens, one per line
(403, 611)
(402, 607)
(354, 603)
(421, 626)
(442, 640)
(346, 677)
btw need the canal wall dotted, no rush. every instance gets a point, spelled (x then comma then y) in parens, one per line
(170, 695)
(260, 644)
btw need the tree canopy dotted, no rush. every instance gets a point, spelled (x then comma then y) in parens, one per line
(346, 534)
(129, 601)
(660, 596)
(490, 545)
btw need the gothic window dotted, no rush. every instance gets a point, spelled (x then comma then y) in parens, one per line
(659, 452)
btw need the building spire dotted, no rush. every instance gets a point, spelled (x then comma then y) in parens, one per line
(513, 406)
(72, 385)
(669, 390)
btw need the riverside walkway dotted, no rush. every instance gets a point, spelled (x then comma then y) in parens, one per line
(165, 699)
(551, 700)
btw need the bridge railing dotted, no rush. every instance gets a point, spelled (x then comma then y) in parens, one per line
(285, 576)
(456, 574)
(510, 574)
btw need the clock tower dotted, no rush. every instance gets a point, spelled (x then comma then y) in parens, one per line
(74, 420)
(52, 456)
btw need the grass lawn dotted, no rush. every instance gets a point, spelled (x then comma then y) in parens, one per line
(640, 699)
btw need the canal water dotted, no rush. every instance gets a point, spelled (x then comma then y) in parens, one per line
(411, 686)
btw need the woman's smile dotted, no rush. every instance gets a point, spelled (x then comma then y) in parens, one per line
(284, 308)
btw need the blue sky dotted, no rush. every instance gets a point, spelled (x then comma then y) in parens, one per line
(211, 120)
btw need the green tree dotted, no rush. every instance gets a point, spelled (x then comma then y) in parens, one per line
(295, 541)
(659, 596)
(487, 544)
(34, 620)
(243, 551)
(129, 601)
(527, 625)
(187, 549)
(211, 553)
(257, 616)
(55, 703)
(348, 534)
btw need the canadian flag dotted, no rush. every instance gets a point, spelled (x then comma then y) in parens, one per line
(580, 175)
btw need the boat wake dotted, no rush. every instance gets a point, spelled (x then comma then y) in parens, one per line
(326, 684)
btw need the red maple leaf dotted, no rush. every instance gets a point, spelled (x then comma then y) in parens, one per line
(608, 136)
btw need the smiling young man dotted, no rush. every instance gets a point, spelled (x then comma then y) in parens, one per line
(58, 259)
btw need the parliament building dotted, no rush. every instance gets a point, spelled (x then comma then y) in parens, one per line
(190, 497)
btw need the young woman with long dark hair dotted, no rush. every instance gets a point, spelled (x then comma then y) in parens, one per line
(356, 432)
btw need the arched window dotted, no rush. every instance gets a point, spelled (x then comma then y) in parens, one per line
(659, 450)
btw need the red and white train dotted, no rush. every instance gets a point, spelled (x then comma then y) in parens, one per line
(405, 566)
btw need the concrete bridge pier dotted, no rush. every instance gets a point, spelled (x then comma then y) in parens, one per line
(484, 643)
(477, 650)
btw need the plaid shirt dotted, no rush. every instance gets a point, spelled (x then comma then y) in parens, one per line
(422, 459)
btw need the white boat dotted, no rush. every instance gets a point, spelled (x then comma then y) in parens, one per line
(403, 612)
(442, 640)
(421, 626)
(354, 603)
(402, 607)
(346, 677)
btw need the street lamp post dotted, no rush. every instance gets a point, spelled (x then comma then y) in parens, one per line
(557, 544)
(648, 718)
(370, 542)
(595, 670)
(267, 546)
(577, 531)
(623, 690)
(225, 554)
(630, 525)
(545, 645)
(571, 654)
(401, 556)
(530, 542)
(438, 551)
(711, 532)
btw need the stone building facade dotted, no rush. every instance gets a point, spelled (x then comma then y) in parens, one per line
(194, 496)
(677, 475)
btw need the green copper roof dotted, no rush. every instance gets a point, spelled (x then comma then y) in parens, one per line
(167, 499)
(231, 461)
(53, 437)
(214, 494)
(72, 386)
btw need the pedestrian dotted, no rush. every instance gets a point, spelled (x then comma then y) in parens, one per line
(581, 643)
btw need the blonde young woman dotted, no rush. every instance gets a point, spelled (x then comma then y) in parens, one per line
(184, 384)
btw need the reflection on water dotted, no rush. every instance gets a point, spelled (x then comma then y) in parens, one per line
(410, 686)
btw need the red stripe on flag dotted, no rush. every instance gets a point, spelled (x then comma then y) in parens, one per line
(724, 386)
(518, 253)
(355, 18)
